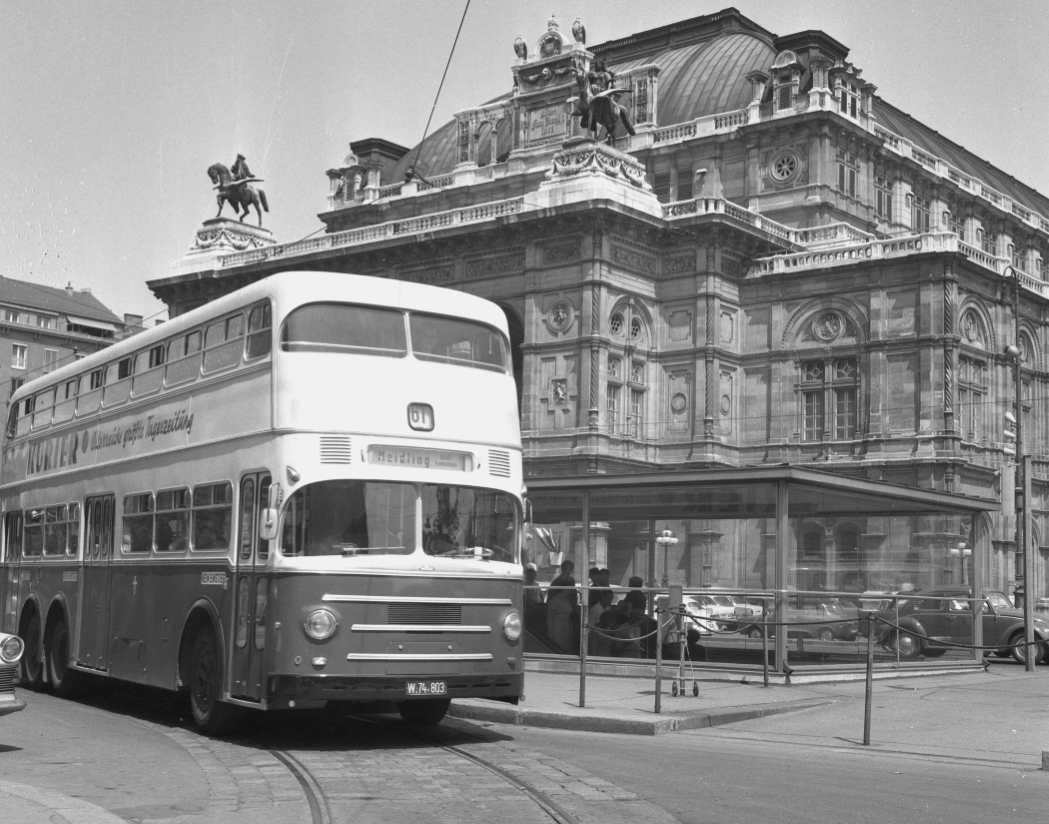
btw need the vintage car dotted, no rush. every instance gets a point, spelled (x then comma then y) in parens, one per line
(823, 617)
(11, 648)
(930, 621)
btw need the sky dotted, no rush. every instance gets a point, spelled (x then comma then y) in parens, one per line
(112, 110)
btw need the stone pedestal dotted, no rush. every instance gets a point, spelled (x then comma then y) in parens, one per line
(219, 237)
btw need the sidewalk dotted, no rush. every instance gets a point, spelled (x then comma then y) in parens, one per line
(993, 715)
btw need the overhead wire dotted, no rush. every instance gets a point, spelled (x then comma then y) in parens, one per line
(418, 149)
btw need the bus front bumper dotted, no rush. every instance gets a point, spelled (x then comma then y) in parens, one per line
(314, 690)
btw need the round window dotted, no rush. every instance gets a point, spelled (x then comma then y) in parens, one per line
(616, 324)
(784, 166)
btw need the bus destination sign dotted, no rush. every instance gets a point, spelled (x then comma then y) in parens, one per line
(419, 458)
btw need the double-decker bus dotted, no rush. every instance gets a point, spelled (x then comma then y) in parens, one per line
(306, 491)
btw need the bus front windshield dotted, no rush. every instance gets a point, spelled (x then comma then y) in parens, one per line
(354, 517)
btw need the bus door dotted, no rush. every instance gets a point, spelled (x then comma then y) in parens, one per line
(10, 586)
(99, 515)
(249, 636)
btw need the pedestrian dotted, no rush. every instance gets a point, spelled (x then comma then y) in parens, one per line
(560, 604)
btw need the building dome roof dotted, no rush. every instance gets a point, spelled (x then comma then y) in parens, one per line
(697, 79)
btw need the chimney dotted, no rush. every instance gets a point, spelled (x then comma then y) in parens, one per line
(70, 289)
(132, 320)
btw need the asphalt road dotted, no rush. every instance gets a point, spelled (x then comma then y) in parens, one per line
(133, 753)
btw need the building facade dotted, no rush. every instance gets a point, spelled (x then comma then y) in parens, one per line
(779, 267)
(45, 327)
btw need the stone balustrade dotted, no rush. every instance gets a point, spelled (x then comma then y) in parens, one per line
(905, 148)
(369, 234)
(887, 248)
(700, 127)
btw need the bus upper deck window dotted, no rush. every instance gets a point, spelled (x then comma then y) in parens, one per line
(345, 327)
(259, 332)
(454, 340)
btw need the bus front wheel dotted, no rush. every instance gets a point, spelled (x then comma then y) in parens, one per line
(214, 716)
(32, 665)
(424, 712)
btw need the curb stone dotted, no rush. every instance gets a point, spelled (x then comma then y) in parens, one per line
(627, 723)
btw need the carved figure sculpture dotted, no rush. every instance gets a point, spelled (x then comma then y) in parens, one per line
(238, 191)
(521, 48)
(599, 101)
(579, 31)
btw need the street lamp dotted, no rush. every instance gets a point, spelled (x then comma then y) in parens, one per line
(666, 540)
(1014, 352)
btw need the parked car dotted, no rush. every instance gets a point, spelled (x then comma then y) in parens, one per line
(930, 620)
(824, 617)
(11, 648)
(700, 611)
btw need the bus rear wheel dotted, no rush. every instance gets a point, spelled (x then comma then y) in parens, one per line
(213, 716)
(424, 712)
(32, 665)
(64, 681)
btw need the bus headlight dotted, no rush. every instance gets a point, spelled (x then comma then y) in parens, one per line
(320, 624)
(11, 649)
(512, 626)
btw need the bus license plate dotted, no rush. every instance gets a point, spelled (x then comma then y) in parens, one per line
(425, 688)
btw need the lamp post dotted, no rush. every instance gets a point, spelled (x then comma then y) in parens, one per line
(1014, 352)
(666, 540)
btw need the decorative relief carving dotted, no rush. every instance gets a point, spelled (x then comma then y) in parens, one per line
(829, 326)
(432, 275)
(679, 265)
(560, 316)
(597, 158)
(632, 260)
(495, 266)
(561, 253)
(559, 392)
(641, 102)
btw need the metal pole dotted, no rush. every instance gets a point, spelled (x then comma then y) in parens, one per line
(765, 644)
(870, 681)
(659, 662)
(584, 634)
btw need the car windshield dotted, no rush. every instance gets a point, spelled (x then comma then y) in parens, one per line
(356, 517)
(998, 600)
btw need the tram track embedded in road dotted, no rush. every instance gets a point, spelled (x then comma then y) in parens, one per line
(320, 806)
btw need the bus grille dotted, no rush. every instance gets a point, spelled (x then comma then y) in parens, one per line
(499, 463)
(424, 614)
(8, 677)
(335, 449)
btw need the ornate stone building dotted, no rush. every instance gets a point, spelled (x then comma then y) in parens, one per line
(780, 267)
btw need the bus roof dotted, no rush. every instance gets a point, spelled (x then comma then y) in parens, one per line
(289, 290)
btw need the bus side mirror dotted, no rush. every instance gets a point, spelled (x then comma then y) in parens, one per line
(268, 524)
(268, 520)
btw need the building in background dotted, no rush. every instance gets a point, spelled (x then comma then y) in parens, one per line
(44, 328)
(778, 268)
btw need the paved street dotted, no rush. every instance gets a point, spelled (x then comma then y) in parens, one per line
(956, 749)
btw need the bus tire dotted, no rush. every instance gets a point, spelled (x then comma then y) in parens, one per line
(32, 665)
(212, 715)
(65, 681)
(424, 712)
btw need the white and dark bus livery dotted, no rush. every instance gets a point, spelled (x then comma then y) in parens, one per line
(306, 491)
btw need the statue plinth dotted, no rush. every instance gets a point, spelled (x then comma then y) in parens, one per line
(585, 170)
(218, 237)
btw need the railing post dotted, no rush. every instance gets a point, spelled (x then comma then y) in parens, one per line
(870, 680)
